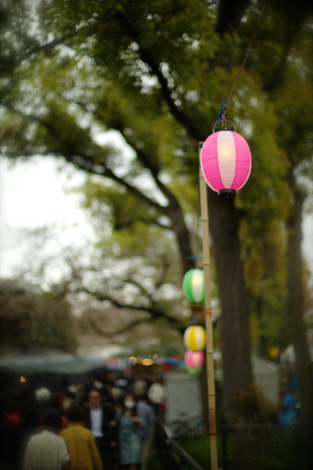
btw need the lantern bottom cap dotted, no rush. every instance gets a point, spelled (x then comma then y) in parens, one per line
(227, 193)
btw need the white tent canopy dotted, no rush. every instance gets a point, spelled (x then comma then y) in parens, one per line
(266, 376)
(184, 394)
(183, 397)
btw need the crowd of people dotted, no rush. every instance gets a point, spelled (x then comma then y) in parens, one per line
(103, 427)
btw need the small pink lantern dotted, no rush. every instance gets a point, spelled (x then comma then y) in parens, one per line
(194, 359)
(225, 161)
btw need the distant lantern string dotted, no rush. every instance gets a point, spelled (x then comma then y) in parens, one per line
(222, 116)
(225, 156)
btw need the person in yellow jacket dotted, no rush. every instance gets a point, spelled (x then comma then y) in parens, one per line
(81, 444)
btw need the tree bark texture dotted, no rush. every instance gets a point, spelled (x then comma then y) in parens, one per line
(224, 224)
(295, 311)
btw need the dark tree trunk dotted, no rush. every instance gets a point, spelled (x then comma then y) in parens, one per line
(174, 212)
(295, 310)
(224, 224)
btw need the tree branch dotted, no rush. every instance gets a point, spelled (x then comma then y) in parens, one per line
(80, 160)
(147, 221)
(9, 66)
(163, 274)
(176, 112)
(126, 328)
(146, 57)
(90, 166)
(130, 326)
(154, 169)
(141, 288)
(102, 297)
(39, 48)
(155, 313)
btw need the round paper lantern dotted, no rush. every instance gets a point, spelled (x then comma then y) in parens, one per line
(225, 161)
(195, 338)
(274, 352)
(195, 371)
(193, 285)
(194, 359)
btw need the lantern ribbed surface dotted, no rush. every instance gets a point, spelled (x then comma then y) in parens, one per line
(194, 359)
(225, 161)
(195, 338)
(193, 285)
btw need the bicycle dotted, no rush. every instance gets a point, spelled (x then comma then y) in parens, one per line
(187, 427)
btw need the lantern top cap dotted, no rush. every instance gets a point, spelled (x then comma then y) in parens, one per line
(224, 128)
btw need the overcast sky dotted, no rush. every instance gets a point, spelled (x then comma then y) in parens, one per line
(36, 193)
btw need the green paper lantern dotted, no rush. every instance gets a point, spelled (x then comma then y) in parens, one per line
(193, 371)
(193, 285)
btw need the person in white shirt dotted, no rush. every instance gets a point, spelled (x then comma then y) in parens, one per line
(47, 450)
(157, 395)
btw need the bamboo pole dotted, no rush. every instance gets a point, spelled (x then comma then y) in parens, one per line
(208, 316)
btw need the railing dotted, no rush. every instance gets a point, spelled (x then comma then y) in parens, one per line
(171, 455)
(258, 446)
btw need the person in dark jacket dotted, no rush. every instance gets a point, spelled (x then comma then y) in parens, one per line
(97, 418)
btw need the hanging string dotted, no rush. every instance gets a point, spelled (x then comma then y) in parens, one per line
(222, 116)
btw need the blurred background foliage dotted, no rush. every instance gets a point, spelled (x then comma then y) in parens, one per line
(154, 74)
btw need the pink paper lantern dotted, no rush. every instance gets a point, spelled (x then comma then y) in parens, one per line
(225, 161)
(194, 359)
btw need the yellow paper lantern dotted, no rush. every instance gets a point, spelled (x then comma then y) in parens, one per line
(195, 338)
(274, 352)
